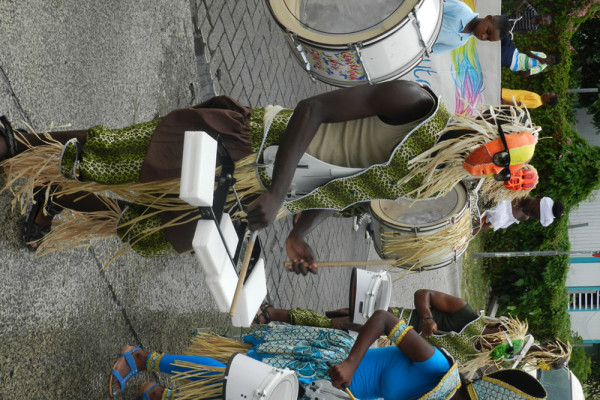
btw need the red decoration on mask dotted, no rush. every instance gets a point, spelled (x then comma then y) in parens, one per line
(523, 179)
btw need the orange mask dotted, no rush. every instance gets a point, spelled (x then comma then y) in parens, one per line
(523, 179)
(520, 146)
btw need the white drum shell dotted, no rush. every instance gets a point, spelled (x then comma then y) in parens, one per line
(445, 255)
(249, 379)
(372, 291)
(385, 57)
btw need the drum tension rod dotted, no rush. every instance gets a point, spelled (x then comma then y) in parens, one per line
(417, 25)
(302, 53)
(357, 46)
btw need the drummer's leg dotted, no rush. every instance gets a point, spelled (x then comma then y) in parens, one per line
(306, 317)
(194, 368)
(159, 362)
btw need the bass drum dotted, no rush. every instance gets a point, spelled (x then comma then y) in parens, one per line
(353, 42)
(422, 234)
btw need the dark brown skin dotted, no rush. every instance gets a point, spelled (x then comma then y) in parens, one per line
(483, 29)
(425, 299)
(382, 322)
(396, 102)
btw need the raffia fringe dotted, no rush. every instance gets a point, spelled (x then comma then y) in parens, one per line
(215, 346)
(513, 327)
(544, 359)
(207, 345)
(442, 171)
(422, 249)
(40, 167)
(72, 229)
(37, 166)
(199, 381)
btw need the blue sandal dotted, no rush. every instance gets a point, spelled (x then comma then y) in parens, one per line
(145, 394)
(115, 374)
(167, 393)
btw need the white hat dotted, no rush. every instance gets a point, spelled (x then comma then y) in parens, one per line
(546, 214)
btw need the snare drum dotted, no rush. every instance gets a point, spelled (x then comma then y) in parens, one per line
(352, 42)
(369, 291)
(249, 379)
(423, 234)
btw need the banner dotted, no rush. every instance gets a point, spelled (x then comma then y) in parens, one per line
(467, 76)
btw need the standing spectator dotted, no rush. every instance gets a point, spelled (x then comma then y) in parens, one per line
(460, 23)
(527, 98)
(528, 19)
(525, 63)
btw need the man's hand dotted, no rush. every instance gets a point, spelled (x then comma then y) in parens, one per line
(341, 374)
(429, 327)
(263, 211)
(301, 255)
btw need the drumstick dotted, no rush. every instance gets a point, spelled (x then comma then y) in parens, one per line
(243, 271)
(288, 264)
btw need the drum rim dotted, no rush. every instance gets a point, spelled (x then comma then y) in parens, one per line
(422, 228)
(360, 37)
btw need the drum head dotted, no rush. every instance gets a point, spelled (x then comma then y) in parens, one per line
(339, 22)
(422, 213)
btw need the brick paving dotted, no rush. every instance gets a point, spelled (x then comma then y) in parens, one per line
(249, 60)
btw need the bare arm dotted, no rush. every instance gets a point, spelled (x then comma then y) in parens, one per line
(532, 55)
(425, 299)
(520, 5)
(382, 322)
(396, 102)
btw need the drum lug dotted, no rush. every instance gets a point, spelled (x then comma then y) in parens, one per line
(356, 47)
(302, 53)
(417, 25)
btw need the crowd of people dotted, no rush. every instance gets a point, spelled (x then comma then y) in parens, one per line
(396, 139)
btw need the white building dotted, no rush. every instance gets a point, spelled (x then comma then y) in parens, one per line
(583, 278)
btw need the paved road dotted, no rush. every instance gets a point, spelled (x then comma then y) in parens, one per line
(63, 317)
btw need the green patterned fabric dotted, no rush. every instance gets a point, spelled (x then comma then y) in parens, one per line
(300, 316)
(376, 182)
(153, 245)
(460, 345)
(507, 385)
(109, 156)
(402, 313)
(116, 156)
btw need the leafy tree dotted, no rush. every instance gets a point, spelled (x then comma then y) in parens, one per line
(591, 386)
(586, 43)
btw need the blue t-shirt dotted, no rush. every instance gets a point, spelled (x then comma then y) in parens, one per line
(387, 373)
(456, 16)
(507, 50)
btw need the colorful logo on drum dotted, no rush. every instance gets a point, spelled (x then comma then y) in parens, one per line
(342, 63)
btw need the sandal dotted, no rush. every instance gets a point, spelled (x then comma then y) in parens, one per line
(33, 231)
(6, 131)
(115, 374)
(262, 313)
(150, 386)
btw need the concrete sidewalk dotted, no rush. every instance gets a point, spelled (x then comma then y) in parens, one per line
(63, 318)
